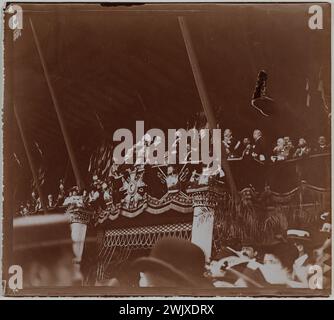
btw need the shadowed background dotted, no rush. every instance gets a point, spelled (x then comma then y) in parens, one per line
(113, 65)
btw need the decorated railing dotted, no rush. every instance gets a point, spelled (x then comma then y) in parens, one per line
(182, 201)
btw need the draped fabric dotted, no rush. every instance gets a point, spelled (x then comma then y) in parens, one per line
(283, 176)
(117, 245)
(274, 197)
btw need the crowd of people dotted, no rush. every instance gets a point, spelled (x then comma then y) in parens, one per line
(255, 149)
(300, 258)
(297, 259)
(34, 204)
(285, 148)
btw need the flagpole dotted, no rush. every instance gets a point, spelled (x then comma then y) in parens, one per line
(30, 159)
(66, 136)
(205, 100)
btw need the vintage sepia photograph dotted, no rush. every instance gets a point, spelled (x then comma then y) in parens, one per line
(167, 150)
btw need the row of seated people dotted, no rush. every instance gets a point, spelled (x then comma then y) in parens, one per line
(98, 191)
(258, 150)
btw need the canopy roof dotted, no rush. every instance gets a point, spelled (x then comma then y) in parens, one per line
(125, 63)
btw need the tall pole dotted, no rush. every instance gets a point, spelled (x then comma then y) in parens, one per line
(30, 159)
(205, 99)
(67, 139)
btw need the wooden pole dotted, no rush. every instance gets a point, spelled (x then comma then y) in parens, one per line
(30, 159)
(67, 139)
(205, 100)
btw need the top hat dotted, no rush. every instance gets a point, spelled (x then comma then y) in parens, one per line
(176, 259)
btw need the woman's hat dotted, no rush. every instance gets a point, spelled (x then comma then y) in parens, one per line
(298, 235)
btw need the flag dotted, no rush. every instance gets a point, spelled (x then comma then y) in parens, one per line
(40, 178)
(99, 121)
(17, 160)
(41, 167)
(322, 92)
(308, 95)
(38, 148)
(101, 160)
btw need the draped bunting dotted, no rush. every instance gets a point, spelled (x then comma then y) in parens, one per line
(263, 211)
(179, 202)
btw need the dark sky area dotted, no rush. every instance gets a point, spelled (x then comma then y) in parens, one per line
(128, 63)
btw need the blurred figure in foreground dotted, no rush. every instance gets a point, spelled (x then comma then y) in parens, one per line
(301, 239)
(43, 248)
(173, 263)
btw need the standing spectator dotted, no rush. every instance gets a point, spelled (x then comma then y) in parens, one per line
(289, 149)
(34, 199)
(231, 145)
(303, 149)
(286, 140)
(246, 148)
(61, 194)
(322, 146)
(259, 148)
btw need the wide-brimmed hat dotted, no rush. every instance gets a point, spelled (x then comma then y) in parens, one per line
(298, 234)
(286, 252)
(301, 236)
(176, 259)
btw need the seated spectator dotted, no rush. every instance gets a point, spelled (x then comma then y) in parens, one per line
(302, 149)
(322, 147)
(50, 204)
(279, 151)
(26, 209)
